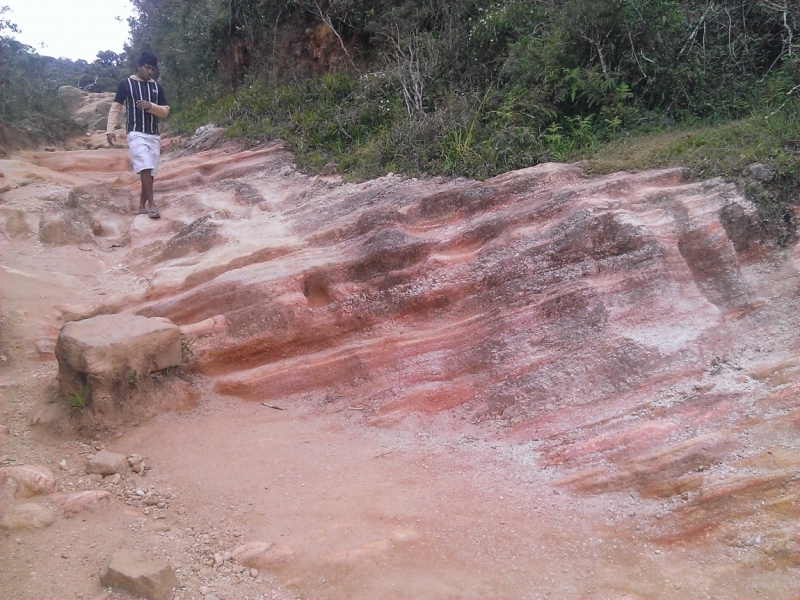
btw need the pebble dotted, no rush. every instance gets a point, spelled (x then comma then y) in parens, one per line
(203, 590)
(253, 572)
(63, 464)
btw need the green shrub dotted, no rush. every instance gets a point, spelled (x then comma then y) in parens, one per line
(80, 398)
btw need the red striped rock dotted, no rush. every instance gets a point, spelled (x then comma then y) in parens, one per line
(29, 481)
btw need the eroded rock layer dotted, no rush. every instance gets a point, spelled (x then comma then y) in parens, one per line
(629, 332)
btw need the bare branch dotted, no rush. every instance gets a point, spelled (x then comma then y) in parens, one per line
(325, 18)
(414, 64)
(693, 35)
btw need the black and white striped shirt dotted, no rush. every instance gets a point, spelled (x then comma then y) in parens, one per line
(129, 91)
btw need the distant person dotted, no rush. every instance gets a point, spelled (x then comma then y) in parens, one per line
(146, 104)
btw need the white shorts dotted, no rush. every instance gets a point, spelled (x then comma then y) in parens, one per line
(145, 151)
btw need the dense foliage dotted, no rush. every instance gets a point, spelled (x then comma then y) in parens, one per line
(471, 87)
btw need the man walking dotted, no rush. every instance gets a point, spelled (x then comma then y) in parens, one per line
(146, 104)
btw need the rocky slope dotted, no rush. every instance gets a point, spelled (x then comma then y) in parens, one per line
(625, 339)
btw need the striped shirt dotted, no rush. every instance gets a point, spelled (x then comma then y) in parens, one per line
(129, 91)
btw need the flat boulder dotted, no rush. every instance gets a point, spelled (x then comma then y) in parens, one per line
(139, 574)
(107, 364)
(108, 344)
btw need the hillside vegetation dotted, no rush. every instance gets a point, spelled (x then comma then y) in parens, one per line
(478, 87)
(30, 110)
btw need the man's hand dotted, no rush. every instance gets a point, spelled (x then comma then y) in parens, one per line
(143, 105)
(111, 137)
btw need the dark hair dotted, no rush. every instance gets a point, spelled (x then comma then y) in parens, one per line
(147, 58)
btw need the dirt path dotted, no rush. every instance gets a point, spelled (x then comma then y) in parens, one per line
(431, 508)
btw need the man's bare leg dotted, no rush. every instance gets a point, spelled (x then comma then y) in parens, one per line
(142, 197)
(146, 197)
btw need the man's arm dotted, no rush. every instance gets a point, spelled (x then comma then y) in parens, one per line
(113, 117)
(154, 109)
(160, 109)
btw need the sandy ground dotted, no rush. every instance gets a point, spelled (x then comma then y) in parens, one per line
(431, 508)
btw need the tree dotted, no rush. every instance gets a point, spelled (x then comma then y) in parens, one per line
(108, 58)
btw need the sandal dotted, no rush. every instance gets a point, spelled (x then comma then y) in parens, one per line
(154, 214)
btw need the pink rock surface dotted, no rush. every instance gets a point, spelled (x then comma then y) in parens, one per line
(618, 325)
(86, 500)
(631, 338)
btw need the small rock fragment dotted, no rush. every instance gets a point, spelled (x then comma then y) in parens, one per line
(87, 500)
(63, 464)
(27, 516)
(106, 463)
(30, 481)
(262, 555)
(760, 172)
(139, 574)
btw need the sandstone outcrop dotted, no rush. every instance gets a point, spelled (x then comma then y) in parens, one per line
(633, 335)
(89, 110)
(604, 322)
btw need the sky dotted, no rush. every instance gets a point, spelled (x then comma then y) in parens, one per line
(74, 29)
